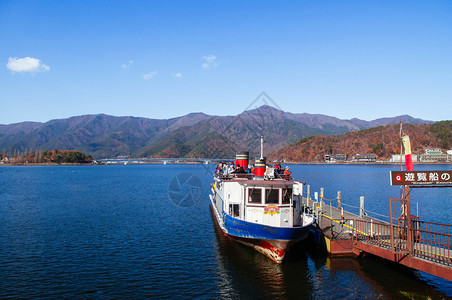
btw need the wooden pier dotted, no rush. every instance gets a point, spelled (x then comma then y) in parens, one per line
(422, 246)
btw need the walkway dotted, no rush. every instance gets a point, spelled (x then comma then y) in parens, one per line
(422, 246)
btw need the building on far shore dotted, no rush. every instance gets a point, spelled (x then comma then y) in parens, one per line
(364, 158)
(396, 158)
(333, 158)
(434, 155)
(123, 157)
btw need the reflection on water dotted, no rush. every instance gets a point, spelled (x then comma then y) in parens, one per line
(246, 274)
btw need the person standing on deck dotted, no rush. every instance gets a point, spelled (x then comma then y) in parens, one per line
(239, 170)
(286, 171)
(224, 169)
(231, 168)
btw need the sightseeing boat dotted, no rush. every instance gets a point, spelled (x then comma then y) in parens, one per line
(262, 209)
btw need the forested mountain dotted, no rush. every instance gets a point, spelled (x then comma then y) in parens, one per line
(382, 141)
(99, 135)
(192, 135)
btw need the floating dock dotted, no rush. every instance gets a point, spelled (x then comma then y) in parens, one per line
(422, 246)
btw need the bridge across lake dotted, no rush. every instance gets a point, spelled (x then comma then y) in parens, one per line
(163, 160)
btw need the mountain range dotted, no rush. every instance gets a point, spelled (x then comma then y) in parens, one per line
(195, 135)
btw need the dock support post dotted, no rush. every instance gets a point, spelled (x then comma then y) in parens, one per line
(371, 228)
(321, 195)
(361, 206)
(316, 202)
(338, 199)
(331, 210)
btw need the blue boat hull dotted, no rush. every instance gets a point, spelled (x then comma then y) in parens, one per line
(243, 229)
(268, 240)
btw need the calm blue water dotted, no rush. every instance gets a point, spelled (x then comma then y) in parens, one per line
(132, 232)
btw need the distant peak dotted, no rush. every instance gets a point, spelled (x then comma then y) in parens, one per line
(263, 109)
(266, 106)
(196, 114)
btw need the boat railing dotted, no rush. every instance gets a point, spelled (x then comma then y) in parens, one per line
(248, 176)
(231, 176)
(284, 177)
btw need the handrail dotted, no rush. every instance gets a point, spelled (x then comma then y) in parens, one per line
(428, 244)
(341, 222)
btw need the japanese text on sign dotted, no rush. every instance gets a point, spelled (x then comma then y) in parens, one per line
(421, 177)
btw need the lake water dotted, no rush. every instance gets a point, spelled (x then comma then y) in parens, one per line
(133, 231)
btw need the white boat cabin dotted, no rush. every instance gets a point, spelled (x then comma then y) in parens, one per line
(274, 203)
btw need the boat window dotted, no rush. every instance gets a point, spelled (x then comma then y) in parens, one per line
(254, 196)
(287, 195)
(271, 196)
(234, 210)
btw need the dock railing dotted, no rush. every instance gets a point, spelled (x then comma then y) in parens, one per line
(430, 241)
(402, 238)
(379, 234)
(337, 229)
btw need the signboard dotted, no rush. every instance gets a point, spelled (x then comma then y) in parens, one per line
(421, 177)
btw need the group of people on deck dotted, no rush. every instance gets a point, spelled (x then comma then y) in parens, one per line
(225, 169)
(283, 171)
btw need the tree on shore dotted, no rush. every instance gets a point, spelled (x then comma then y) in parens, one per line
(40, 156)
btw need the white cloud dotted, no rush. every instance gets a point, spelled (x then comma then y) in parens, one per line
(211, 62)
(26, 64)
(127, 65)
(150, 75)
(178, 75)
(210, 58)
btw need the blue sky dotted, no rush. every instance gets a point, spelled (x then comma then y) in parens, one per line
(163, 59)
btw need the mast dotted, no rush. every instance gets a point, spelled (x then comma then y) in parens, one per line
(262, 147)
